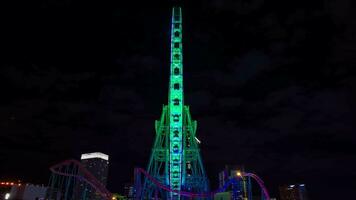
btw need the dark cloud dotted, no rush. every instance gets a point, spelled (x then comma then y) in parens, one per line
(239, 7)
(271, 84)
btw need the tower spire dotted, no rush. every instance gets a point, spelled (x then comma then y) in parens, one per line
(176, 102)
(175, 160)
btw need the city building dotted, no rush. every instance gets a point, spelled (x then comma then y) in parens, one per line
(293, 192)
(98, 165)
(5, 188)
(129, 191)
(27, 192)
(240, 190)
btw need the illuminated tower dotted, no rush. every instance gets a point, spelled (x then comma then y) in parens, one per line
(175, 159)
(293, 192)
(97, 164)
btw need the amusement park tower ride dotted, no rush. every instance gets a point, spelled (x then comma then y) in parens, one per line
(175, 159)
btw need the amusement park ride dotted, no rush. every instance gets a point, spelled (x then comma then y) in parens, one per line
(175, 158)
(175, 170)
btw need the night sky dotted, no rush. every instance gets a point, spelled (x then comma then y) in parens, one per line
(272, 85)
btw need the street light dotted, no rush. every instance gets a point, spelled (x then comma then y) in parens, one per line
(238, 173)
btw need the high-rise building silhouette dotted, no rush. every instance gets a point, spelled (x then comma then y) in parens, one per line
(98, 165)
(293, 192)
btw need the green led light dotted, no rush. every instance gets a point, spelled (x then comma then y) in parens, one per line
(176, 110)
(175, 158)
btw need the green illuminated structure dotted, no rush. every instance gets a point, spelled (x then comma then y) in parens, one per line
(175, 160)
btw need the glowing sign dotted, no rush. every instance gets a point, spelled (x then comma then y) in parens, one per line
(94, 155)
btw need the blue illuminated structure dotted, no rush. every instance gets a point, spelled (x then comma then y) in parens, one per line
(175, 159)
(160, 188)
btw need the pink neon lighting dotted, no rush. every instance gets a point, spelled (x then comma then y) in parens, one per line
(87, 177)
(202, 195)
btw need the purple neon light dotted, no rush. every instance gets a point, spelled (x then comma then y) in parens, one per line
(209, 194)
(91, 180)
(260, 183)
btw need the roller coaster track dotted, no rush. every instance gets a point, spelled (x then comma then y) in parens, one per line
(204, 195)
(85, 176)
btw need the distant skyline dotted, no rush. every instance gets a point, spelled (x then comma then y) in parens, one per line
(271, 85)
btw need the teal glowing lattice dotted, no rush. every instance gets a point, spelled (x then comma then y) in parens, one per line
(175, 159)
(176, 103)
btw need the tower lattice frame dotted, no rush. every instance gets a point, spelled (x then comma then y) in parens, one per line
(175, 159)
